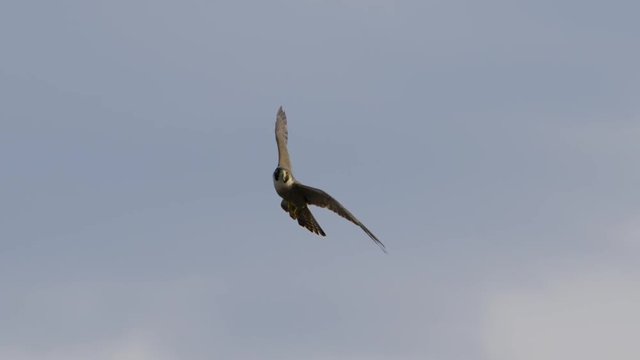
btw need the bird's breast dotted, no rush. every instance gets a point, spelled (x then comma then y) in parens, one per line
(282, 188)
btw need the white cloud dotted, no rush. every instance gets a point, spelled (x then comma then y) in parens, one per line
(594, 316)
(131, 347)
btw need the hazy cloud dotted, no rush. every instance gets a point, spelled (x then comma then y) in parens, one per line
(585, 314)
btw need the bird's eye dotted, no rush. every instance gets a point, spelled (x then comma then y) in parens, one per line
(275, 174)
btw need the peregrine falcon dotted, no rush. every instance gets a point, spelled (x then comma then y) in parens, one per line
(296, 196)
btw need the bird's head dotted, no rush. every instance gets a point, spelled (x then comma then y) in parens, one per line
(282, 176)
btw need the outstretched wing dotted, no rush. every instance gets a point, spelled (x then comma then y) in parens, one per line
(320, 198)
(281, 139)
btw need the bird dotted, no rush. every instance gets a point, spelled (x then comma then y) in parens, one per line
(296, 196)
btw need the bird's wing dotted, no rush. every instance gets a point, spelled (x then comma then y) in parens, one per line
(281, 139)
(304, 216)
(320, 198)
(306, 219)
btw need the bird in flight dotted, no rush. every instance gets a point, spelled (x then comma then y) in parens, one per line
(296, 196)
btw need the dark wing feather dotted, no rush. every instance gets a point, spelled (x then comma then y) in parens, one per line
(304, 216)
(281, 139)
(306, 219)
(320, 198)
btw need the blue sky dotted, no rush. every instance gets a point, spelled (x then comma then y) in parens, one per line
(493, 147)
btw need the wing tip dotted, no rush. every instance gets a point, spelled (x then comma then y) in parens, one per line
(375, 240)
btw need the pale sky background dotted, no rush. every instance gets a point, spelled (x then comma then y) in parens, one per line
(493, 146)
